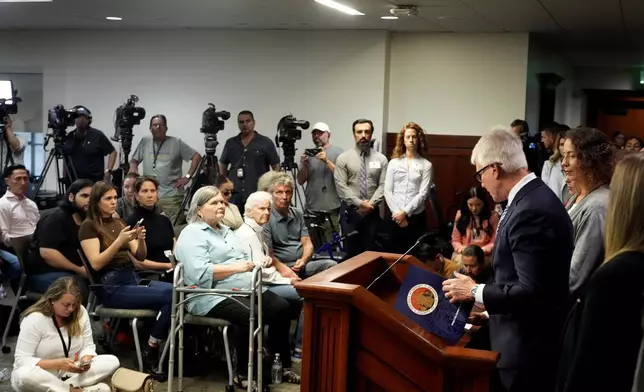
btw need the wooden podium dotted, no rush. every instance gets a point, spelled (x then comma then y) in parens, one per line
(354, 340)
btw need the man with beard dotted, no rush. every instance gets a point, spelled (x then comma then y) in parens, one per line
(317, 172)
(54, 249)
(360, 180)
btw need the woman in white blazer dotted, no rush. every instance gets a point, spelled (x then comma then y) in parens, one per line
(55, 350)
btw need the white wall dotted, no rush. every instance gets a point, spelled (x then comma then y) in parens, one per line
(542, 60)
(333, 77)
(30, 110)
(457, 84)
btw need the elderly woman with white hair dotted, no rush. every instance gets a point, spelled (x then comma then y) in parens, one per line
(213, 257)
(257, 212)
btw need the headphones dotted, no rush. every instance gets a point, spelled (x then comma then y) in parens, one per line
(80, 109)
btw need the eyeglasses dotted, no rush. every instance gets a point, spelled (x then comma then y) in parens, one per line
(482, 170)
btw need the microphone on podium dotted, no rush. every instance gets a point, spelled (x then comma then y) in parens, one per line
(418, 241)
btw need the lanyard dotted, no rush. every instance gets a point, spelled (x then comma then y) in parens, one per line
(155, 154)
(67, 347)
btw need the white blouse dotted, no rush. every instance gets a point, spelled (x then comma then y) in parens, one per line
(554, 177)
(407, 184)
(251, 238)
(39, 339)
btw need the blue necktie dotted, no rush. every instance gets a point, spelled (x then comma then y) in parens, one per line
(505, 211)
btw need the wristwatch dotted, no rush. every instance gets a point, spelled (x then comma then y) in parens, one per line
(473, 291)
(188, 176)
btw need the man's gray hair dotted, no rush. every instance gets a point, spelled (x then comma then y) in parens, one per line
(255, 198)
(201, 197)
(502, 146)
(280, 178)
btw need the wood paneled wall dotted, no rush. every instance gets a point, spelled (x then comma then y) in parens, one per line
(453, 173)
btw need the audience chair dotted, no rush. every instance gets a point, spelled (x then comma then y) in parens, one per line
(21, 247)
(98, 310)
(181, 317)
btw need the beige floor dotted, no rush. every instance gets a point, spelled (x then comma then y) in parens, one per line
(215, 381)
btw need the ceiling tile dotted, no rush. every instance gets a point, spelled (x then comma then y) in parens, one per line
(586, 15)
(515, 15)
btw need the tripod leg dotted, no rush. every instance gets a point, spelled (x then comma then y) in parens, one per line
(189, 192)
(43, 174)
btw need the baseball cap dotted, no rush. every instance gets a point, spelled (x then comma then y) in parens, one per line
(320, 126)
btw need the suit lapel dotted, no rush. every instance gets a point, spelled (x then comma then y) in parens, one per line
(527, 188)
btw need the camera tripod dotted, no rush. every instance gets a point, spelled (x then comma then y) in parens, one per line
(289, 166)
(207, 173)
(57, 154)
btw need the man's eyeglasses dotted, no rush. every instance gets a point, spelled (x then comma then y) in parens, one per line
(482, 170)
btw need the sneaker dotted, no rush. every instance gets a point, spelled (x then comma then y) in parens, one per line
(296, 357)
(100, 387)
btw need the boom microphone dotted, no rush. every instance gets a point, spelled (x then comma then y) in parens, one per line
(418, 241)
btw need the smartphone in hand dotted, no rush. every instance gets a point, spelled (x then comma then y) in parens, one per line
(138, 224)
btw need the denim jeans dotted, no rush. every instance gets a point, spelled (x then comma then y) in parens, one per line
(123, 292)
(289, 293)
(40, 283)
(11, 265)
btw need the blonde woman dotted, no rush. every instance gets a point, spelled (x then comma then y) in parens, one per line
(55, 350)
(552, 173)
(613, 301)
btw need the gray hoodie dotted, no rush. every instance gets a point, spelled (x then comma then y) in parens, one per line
(588, 219)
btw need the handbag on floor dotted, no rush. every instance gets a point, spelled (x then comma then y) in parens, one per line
(127, 380)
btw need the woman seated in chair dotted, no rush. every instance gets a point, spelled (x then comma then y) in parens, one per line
(106, 242)
(214, 258)
(233, 218)
(55, 350)
(159, 233)
(251, 235)
(474, 225)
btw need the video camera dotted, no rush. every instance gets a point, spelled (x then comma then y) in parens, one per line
(212, 122)
(59, 118)
(127, 116)
(8, 100)
(289, 130)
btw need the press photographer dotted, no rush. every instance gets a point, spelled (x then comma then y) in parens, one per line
(162, 156)
(8, 140)
(316, 171)
(246, 157)
(87, 147)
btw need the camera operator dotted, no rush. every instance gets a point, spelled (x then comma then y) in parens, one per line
(15, 144)
(162, 157)
(246, 157)
(317, 173)
(87, 148)
(531, 145)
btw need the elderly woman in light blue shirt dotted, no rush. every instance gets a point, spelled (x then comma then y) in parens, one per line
(213, 258)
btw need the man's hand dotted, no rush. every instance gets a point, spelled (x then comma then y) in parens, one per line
(107, 176)
(304, 160)
(322, 156)
(8, 122)
(299, 264)
(180, 183)
(365, 208)
(404, 223)
(458, 289)
(477, 318)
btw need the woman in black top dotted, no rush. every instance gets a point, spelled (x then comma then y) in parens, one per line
(159, 236)
(604, 330)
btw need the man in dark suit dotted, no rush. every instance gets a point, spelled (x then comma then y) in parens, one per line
(527, 300)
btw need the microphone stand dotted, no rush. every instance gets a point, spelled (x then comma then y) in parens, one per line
(400, 258)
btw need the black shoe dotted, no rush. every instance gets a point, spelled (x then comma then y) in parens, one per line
(151, 364)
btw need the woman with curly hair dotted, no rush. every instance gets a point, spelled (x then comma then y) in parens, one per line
(588, 165)
(409, 176)
(474, 224)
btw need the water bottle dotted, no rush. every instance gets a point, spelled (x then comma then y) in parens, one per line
(276, 370)
(5, 375)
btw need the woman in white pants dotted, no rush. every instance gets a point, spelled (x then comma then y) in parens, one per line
(55, 350)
